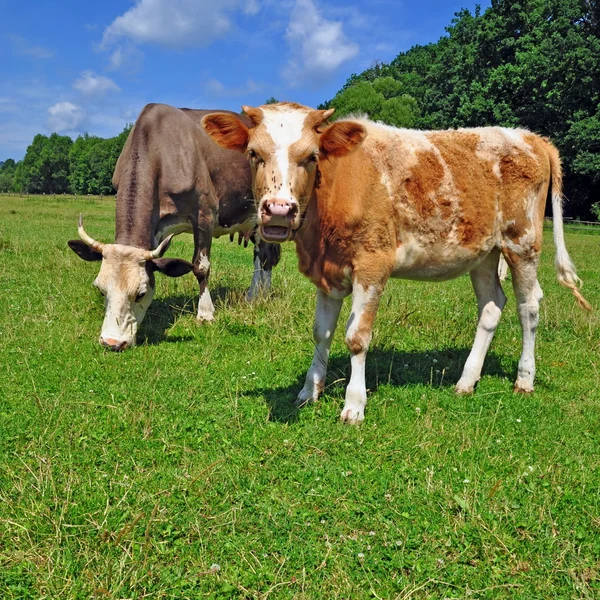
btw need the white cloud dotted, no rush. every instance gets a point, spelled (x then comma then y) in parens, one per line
(65, 116)
(319, 47)
(176, 23)
(91, 84)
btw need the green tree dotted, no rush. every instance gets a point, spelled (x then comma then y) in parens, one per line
(381, 100)
(45, 168)
(92, 162)
(7, 175)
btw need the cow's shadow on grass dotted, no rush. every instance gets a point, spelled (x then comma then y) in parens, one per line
(436, 368)
(163, 313)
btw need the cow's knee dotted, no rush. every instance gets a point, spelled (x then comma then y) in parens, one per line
(358, 341)
(202, 268)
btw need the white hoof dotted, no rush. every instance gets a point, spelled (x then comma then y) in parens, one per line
(464, 386)
(205, 317)
(352, 414)
(523, 386)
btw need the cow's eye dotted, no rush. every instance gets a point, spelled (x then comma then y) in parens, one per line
(253, 155)
(310, 160)
(139, 297)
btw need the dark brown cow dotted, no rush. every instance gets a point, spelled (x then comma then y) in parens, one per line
(170, 178)
(365, 202)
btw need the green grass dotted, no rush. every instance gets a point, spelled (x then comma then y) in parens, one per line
(131, 475)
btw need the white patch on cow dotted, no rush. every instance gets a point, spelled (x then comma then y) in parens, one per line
(284, 126)
(517, 138)
(204, 263)
(356, 392)
(532, 201)
(206, 309)
(326, 317)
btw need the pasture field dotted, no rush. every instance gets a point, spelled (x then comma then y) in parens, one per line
(181, 469)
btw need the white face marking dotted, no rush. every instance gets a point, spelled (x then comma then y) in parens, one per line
(285, 128)
(128, 292)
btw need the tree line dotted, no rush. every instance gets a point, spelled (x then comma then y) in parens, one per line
(56, 164)
(520, 63)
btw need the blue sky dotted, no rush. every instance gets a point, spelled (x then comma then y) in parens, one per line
(73, 66)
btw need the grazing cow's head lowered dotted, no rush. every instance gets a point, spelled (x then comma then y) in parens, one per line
(126, 280)
(284, 146)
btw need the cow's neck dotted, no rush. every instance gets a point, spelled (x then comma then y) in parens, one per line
(323, 257)
(137, 210)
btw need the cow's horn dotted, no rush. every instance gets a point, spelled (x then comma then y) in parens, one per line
(161, 248)
(254, 114)
(91, 242)
(317, 117)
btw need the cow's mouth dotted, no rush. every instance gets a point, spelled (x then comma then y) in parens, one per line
(275, 233)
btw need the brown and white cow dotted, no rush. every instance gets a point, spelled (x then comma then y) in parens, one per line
(170, 178)
(365, 202)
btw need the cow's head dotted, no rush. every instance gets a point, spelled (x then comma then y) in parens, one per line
(126, 280)
(284, 145)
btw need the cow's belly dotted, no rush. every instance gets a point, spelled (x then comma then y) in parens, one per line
(435, 261)
(245, 227)
(171, 225)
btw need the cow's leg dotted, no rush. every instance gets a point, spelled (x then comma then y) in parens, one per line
(359, 331)
(266, 256)
(326, 317)
(502, 268)
(529, 294)
(202, 242)
(490, 302)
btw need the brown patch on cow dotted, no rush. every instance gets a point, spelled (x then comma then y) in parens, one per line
(525, 183)
(423, 183)
(346, 214)
(474, 184)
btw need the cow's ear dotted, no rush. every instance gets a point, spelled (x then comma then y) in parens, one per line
(172, 267)
(84, 251)
(342, 138)
(226, 130)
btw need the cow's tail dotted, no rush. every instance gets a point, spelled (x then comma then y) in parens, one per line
(565, 269)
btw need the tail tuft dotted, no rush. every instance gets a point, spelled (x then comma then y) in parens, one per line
(565, 269)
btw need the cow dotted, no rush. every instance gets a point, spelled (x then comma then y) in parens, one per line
(364, 202)
(170, 178)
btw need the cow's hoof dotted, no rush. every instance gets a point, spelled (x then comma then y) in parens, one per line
(353, 415)
(205, 317)
(306, 397)
(523, 387)
(464, 387)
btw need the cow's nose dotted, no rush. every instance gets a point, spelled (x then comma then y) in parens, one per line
(280, 208)
(113, 344)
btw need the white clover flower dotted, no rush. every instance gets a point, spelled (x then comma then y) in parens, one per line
(215, 567)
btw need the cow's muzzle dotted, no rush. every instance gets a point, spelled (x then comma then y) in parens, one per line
(114, 345)
(277, 219)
